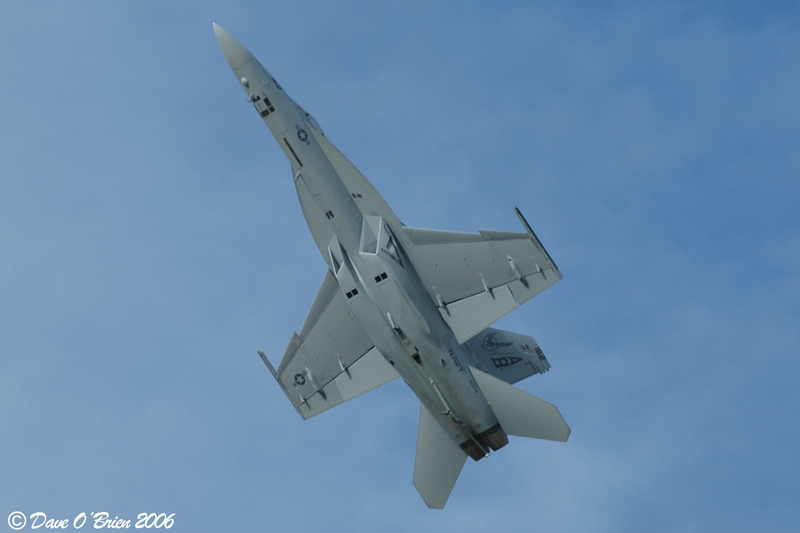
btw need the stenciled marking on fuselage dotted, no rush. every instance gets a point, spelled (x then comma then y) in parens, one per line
(456, 360)
(302, 135)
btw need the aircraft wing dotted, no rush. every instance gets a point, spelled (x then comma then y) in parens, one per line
(477, 278)
(332, 360)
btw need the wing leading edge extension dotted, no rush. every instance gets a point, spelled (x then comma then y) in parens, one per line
(332, 360)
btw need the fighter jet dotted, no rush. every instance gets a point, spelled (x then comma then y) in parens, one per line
(402, 302)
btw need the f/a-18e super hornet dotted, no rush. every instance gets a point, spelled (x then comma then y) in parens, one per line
(403, 302)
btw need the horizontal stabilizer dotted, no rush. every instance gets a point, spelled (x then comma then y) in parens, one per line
(520, 413)
(438, 463)
(508, 356)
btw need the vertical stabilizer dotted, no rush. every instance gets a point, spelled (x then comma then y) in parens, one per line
(520, 413)
(438, 463)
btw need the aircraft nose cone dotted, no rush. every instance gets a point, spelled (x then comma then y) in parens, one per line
(236, 54)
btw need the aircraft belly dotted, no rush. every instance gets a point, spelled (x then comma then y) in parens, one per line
(421, 347)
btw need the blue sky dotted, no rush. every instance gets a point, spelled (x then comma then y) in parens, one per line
(151, 241)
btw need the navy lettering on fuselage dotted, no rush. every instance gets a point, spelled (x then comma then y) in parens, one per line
(456, 360)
